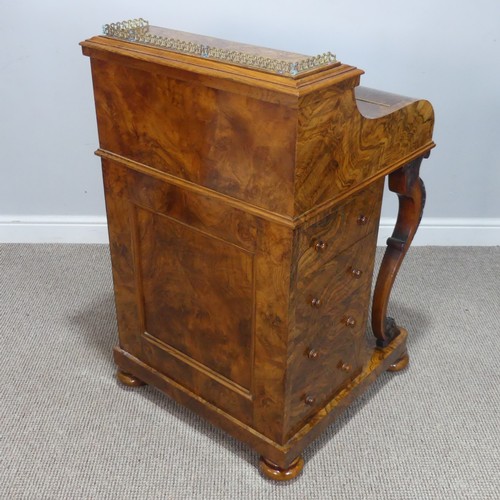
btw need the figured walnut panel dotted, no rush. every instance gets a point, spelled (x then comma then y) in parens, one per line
(334, 286)
(236, 145)
(374, 103)
(196, 378)
(340, 355)
(125, 274)
(273, 321)
(325, 236)
(196, 210)
(198, 292)
(327, 348)
(339, 149)
(328, 280)
(173, 302)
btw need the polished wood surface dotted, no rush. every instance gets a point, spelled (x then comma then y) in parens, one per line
(302, 129)
(128, 379)
(275, 472)
(283, 455)
(208, 41)
(243, 212)
(411, 193)
(400, 364)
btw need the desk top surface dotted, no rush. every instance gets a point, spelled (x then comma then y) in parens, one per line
(269, 60)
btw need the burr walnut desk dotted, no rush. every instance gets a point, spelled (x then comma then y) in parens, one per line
(243, 191)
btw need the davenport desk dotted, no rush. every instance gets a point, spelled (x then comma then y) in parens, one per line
(243, 191)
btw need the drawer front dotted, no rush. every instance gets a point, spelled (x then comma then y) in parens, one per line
(326, 362)
(331, 308)
(320, 287)
(348, 223)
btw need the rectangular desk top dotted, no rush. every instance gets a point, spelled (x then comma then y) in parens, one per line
(240, 54)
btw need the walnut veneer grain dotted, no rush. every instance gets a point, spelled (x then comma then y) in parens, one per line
(243, 212)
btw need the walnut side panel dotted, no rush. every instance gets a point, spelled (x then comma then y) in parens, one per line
(185, 267)
(224, 145)
(339, 150)
(273, 322)
(123, 258)
(196, 210)
(198, 294)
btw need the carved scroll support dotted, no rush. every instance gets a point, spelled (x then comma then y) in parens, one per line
(406, 183)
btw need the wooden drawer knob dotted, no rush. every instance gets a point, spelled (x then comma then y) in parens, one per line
(320, 245)
(312, 353)
(350, 321)
(362, 220)
(309, 400)
(346, 367)
(357, 273)
(316, 302)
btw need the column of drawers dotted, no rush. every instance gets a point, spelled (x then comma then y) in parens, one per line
(334, 275)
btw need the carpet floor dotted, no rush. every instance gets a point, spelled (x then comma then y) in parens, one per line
(69, 431)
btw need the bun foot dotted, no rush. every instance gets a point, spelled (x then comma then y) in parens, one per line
(273, 471)
(400, 364)
(128, 379)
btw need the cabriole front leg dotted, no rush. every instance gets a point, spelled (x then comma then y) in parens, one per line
(410, 189)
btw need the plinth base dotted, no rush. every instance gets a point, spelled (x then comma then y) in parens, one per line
(280, 462)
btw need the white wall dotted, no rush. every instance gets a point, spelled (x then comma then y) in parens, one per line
(445, 51)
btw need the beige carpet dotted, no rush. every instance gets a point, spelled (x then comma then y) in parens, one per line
(69, 431)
